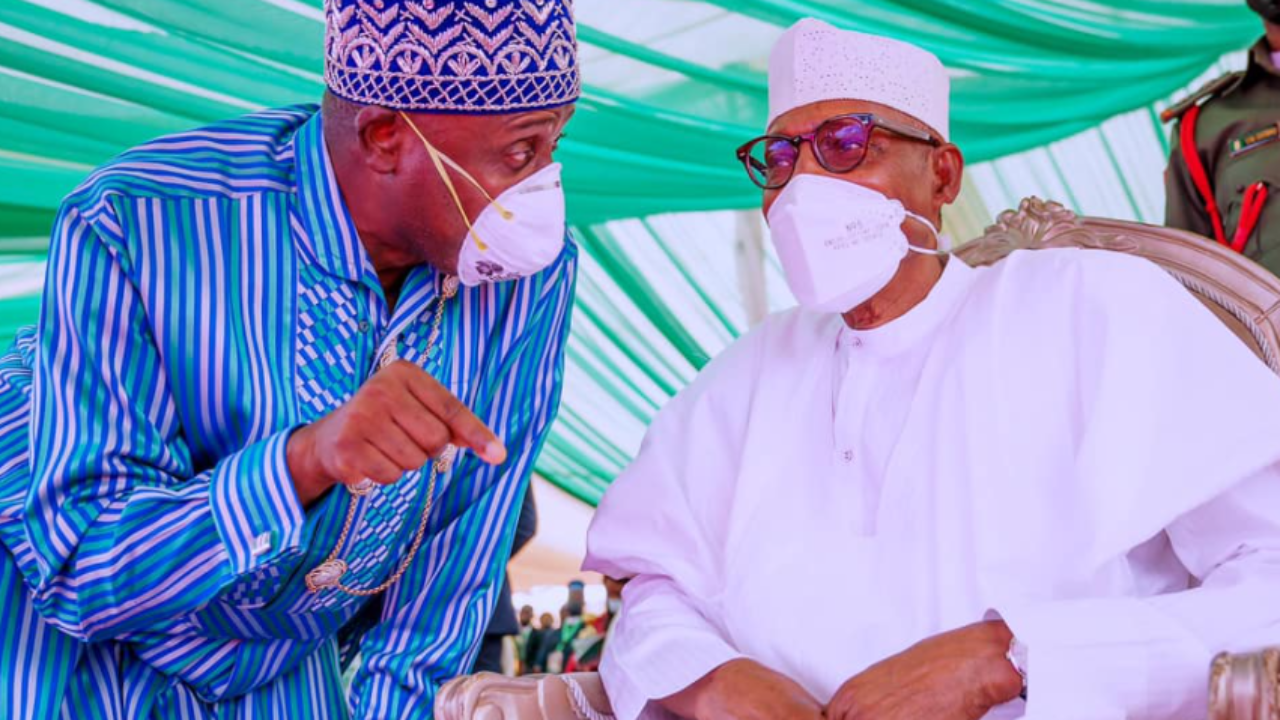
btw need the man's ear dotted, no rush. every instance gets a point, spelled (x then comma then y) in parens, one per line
(948, 174)
(566, 114)
(382, 138)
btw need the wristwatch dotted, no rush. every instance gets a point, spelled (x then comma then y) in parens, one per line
(1017, 657)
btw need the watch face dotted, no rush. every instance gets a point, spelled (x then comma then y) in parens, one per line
(1017, 656)
(1018, 652)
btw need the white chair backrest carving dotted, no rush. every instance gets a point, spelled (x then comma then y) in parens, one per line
(1242, 294)
(579, 696)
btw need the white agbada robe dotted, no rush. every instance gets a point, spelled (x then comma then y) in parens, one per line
(1067, 438)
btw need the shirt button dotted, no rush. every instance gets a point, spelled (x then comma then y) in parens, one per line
(847, 456)
(364, 326)
(857, 342)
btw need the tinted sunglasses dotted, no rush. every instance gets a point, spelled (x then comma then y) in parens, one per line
(839, 144)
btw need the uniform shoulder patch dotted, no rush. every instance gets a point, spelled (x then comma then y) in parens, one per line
(1254, 139)
(1211, 89)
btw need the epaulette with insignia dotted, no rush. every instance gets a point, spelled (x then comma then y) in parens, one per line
(1212, 88)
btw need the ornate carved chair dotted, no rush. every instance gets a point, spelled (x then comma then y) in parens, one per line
(535, 697)
(1243, 295)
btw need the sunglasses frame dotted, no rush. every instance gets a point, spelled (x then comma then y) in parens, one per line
(871, 120)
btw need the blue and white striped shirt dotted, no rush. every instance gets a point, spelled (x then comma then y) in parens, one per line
(206, 295)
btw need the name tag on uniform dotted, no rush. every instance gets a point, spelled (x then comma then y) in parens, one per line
(1254, 140)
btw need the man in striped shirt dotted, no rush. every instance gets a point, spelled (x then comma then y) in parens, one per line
(291, 374)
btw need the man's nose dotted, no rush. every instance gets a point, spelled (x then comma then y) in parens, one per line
(807, 161)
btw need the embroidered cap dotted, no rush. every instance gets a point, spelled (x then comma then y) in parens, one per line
(815, 61)
(468, 56)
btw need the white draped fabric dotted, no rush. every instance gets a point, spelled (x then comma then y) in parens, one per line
(1067, 438)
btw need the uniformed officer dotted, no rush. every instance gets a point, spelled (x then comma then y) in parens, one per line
(1223, 179)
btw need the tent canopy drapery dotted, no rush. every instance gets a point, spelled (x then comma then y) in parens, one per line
(1048, 96)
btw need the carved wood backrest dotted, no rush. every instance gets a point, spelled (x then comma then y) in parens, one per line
(579, 696)
(1242, 294)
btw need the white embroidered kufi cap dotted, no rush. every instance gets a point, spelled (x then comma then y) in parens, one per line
(814, 61)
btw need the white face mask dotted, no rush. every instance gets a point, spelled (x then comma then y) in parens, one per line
(839, 242)
(518, 234)
(521, 241)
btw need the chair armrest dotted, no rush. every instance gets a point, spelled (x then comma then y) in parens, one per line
(579, 696)
(1245, 687)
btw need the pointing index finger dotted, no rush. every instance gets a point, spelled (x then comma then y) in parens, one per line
(467, 429)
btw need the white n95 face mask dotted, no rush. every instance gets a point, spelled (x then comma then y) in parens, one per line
(518, 234)
(839, 242)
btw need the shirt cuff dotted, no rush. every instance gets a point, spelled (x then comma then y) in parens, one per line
(1105, 658)
(633, 689)
(255, 507)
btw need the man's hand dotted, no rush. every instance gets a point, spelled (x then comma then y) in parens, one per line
(401, 418)
(958, 675)
(744, 690)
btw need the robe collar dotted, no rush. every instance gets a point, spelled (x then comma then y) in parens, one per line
(330, 232)
(920, 323)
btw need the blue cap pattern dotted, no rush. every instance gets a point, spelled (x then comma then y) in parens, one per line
(469, 56)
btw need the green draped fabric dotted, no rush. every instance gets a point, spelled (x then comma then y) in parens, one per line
(670, 88)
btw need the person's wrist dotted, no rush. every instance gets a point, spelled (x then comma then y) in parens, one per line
(995, 677)
(1004, 680)
(308, 483)
(1017, 657)
(722, 689)
(708, 700)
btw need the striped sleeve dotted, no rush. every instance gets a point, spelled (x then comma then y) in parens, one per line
(125, 532)
(433, 619)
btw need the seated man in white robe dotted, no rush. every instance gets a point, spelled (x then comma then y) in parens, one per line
(931, 491)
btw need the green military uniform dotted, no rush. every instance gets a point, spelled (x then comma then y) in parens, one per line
(1237, 136)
